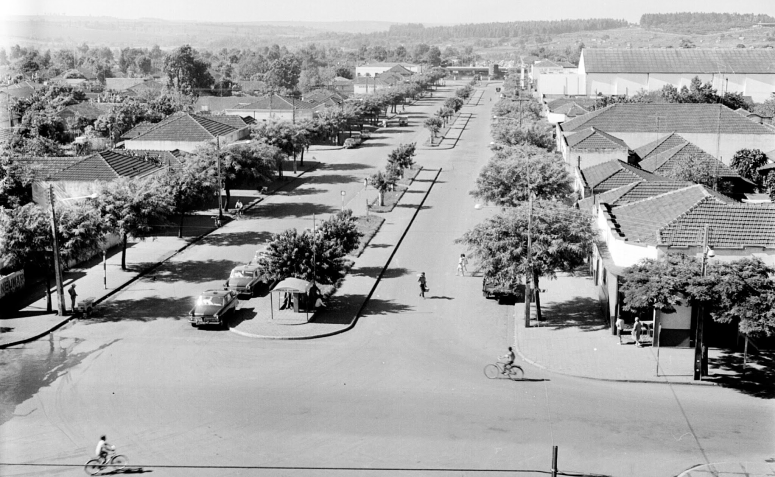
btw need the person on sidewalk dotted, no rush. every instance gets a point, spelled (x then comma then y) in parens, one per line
(637, 327)
(461, 265)
(73, 294)
(619, 328)
(238, 208)
(422, 282)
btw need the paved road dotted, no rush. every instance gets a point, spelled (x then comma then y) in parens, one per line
(403, 389)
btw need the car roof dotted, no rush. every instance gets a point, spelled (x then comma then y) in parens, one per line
(248, 267)
(215, 292)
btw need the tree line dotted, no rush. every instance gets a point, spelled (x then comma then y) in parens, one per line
(705, 20)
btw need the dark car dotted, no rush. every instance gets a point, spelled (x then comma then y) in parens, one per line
(212, 307)
(503, 293)
(244, 279)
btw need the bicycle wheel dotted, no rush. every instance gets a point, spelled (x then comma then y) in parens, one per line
(93, 467)
(491, 371)
(119, 462)
(516, 373)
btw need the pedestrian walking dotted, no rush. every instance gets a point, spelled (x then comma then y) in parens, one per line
(637, 327)
(423, 282)
(619, 328)
(73, 294)
(462, 264)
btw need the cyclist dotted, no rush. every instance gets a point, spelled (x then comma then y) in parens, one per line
(103, 448)
(238, 207)
(508, 360)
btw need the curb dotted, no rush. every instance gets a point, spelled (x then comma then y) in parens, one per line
(447, 147)
(371, 292)
(609, 380)
(141, 274)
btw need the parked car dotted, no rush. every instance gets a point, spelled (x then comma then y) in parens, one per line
(352, 142)
(260, 253)
(503, 293)
(213, 307)
(403, 122)
(244, 279)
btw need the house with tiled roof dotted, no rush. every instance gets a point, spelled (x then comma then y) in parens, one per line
(750, 72)
(219, 104)
(122, 84)
(565, 111)
(634, 192)
(343, 85)
(671, 161)
(400, 70)
(610, 175)
(186, 132)
(364, 85)
(326, 97)
(372, 69)
(274, 106)
(714, 128)
(589, 147)
(83, 175)
(674, 221)
(86, 110)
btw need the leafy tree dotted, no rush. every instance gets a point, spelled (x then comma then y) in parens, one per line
(503, 180)
(433, 56)
(185, 72)
(15, 181)
(402, 156)
(344, 72)
(433, 125)
(767, 108)
(740, 292)
(507, 132)
(454, 103)
(127, 207)
(26, 239)
(283, 73)
(341, 232)
(289, 138)
(185, 189)
(507, 108)
(382, 183)
(694, 169)
(747, 162)
(561, 237)
(744, 293)
(304, 255)
(769, 185)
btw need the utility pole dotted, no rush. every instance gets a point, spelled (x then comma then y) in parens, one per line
(57, 258)
(529, 273)
(218, 156)
(699, 338)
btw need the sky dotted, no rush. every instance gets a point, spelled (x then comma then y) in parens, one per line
(401, 11)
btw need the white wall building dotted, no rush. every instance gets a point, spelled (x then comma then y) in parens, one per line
(627, 71)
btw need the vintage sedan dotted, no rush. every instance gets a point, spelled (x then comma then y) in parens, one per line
(213, 307)
(244, 279)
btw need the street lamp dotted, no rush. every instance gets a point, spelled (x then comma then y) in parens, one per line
(57, 259)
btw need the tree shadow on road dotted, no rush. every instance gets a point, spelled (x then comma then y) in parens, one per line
(341, 309)
(240, 315)
(232, 239)
(336, 179)
(373, 272)
(352, 166)
(142, 309)
(193, 271)
(759, 379)
(301, 209)
(304, 191)
(578, 312)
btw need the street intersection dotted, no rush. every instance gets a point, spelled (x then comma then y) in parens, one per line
(403, 389)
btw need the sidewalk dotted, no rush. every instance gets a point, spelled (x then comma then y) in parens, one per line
(346, 304)
(573, 339)
(33, 321)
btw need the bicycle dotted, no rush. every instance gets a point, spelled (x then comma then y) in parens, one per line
(514, 372)
(96, 465)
